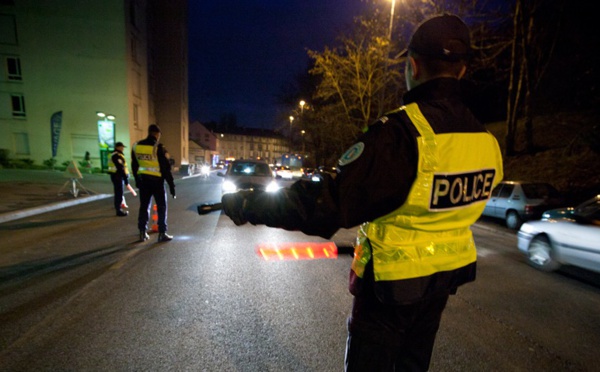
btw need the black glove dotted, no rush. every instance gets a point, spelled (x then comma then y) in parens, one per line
(233, 206)
(172, 190)
(126, 180)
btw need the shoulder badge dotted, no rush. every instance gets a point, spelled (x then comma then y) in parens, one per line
(352, 154)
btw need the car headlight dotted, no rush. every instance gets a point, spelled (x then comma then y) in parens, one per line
(527, 229)
(272, 187)
(228, 187)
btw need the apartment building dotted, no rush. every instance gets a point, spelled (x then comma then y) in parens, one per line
(78, 76)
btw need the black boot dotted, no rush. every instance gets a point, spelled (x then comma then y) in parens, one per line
(164, 237)
(122, 213)
(144, 235)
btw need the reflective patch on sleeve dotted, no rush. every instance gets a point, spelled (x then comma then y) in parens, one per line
(457, 190)
(352, 154)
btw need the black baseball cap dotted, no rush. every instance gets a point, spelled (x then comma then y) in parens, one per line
(119, 144)
(444, 37)
(153, 128)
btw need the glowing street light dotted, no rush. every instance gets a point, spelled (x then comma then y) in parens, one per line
(386, 56)
(291, 121)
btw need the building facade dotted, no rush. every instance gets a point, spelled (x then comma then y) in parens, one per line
(66, 61)
(251, 143)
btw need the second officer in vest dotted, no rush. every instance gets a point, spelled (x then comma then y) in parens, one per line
(119, 175)
(151, 166)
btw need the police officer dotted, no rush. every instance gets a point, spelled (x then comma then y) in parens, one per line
(119, 175)
(151, 168)
(414, 183)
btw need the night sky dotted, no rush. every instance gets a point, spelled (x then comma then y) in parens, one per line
(241, 53)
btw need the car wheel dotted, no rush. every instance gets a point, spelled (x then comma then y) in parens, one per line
(540, 254)
(513, 220)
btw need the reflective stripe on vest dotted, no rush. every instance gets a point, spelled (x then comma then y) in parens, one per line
(431, 231)
(112, 168)
(147, 158)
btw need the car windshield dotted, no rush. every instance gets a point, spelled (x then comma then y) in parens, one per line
(539, 190)
(589, 209)
(250, 169)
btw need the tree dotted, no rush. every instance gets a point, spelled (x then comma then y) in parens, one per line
(535, 32)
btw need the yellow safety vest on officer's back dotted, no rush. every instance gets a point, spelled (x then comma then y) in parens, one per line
(430, 232)
(147, 158)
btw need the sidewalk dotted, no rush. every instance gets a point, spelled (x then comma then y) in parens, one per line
(29, 192)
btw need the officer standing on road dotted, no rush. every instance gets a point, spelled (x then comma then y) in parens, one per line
(415, 182)
(151, 167)
(119, 175)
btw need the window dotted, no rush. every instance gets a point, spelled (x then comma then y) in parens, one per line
(136, 116)
(134, 52)
(506, 191)
(13, 67)
(8, 29)
(18, 105)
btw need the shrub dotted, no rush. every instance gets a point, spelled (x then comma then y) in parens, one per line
(50, 163)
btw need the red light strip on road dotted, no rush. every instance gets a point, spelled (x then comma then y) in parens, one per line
(297, 251)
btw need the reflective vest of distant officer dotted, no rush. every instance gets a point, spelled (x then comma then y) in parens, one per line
(119, 175)
(151, 167)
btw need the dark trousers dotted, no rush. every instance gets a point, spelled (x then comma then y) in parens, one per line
(118, 185)
(148, 190)
(383, 337)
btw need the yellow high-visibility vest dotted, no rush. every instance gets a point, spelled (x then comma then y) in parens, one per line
(147, 158)
(430, 232)
(112, 168)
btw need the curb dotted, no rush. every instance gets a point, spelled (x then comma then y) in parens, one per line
(11, 216)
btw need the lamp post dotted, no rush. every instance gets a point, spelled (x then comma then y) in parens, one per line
(389, 36)
(291, 120)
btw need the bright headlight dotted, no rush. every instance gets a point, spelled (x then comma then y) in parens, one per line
(229, 186)
(272, 187)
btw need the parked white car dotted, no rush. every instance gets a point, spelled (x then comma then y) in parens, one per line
(572, 240)
(519, 201)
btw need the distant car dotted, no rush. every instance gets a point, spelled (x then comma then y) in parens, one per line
(248, 175)
(283, 172)
(518, 201)
(553, 242)
(308, 172)
(569, 211)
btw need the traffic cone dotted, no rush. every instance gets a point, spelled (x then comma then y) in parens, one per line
(154, 218)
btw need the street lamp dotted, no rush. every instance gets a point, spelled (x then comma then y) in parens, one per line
(291, 120)
(302, 103)
(386, 57)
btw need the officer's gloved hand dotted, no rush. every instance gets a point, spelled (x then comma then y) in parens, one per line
(172, 190)
(233, 206)
(126, 180)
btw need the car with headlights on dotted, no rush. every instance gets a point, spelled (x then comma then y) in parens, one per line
(570, 240)
(248, 175)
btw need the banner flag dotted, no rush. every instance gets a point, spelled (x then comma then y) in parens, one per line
(55, 126)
